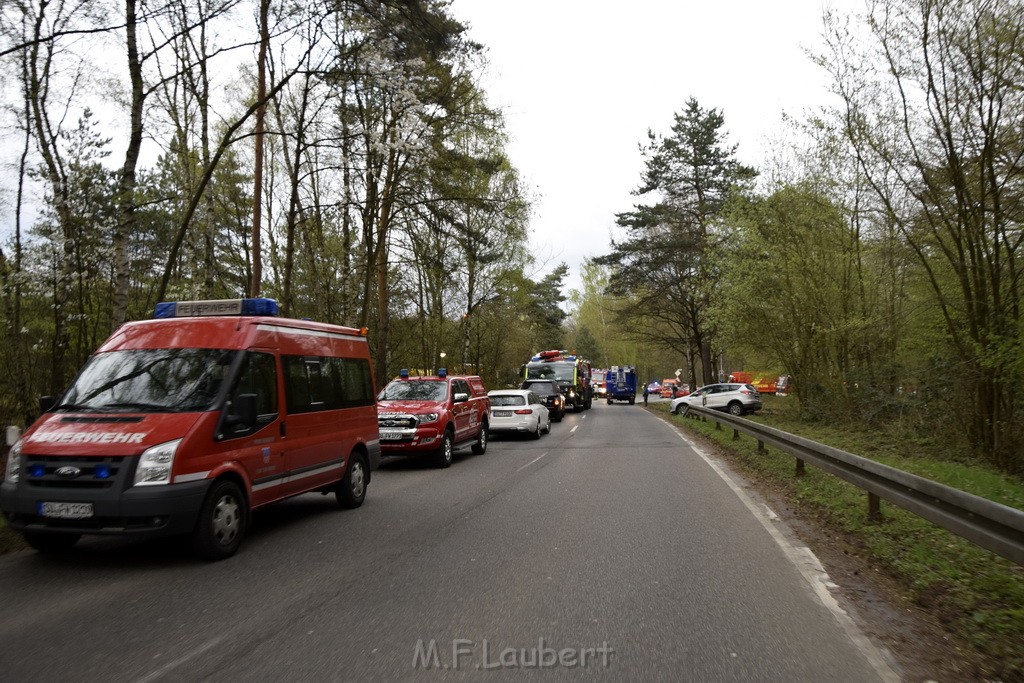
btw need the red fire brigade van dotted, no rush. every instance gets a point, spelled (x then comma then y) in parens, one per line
(185, 423)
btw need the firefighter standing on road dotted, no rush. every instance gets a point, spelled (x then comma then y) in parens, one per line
(647, 390)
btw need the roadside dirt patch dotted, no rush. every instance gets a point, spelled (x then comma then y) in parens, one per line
(10, 541)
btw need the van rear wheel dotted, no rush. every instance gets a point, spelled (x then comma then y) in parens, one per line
(351, 492)
(222, 522)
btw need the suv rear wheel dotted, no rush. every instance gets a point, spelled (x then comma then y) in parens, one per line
(736, 408)
(480, 447)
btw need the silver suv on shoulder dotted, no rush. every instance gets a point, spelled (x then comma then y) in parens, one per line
(733, 398)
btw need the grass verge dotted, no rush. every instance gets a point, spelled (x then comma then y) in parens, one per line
(977, 596)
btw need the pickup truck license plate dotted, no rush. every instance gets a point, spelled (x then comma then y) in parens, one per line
(65, 510)
(390, 435)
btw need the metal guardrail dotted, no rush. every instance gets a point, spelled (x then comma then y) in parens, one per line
(990, 525)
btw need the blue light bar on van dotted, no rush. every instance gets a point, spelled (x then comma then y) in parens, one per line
(186, 309)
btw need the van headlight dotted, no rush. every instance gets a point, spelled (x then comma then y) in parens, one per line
(155, 464)
(13, 472)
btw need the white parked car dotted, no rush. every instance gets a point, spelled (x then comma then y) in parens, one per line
(733, 398)
(518, 410)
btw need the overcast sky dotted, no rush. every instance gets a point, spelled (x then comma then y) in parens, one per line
(581, 82)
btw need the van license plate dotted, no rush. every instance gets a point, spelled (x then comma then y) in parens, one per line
(65, 510)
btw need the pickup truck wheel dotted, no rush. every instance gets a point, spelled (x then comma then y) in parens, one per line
(480, 447)
(222, 522)
(51, 543)
(736, 408)
(443, 456)
(352, 490)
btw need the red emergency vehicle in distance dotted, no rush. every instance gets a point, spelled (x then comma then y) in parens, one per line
(763, 383)
(185, 423)
(433, 415)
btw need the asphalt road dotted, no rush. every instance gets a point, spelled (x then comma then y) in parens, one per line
(608, 549)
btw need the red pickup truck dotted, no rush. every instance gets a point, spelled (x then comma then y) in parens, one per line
(433, 415)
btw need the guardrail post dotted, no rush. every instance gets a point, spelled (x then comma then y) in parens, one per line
(874, 508)
(718, 426)
(800, 470)
(760, 446)
(735, 435)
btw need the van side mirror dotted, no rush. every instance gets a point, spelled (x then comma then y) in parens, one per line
(46, 403)
(242, 412)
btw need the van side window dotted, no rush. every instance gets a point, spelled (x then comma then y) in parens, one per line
(258, 375)
(321, 383)
(347, 383)
(304, 385)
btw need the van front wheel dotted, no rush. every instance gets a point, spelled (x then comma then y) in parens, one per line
(222, 522)
(352, 490)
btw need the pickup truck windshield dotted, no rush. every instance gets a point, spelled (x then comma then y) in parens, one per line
(564, 371)
(414, 390)
(149, 381)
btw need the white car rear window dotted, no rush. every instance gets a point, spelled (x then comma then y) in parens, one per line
(508, 401)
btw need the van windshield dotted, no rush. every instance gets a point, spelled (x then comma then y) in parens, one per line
(150, 381)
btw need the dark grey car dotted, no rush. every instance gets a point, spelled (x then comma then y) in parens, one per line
(549, 394)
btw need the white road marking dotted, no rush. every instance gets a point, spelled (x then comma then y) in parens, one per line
(171, 666)
(574, 429)
(532, 461)
(806, 562)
